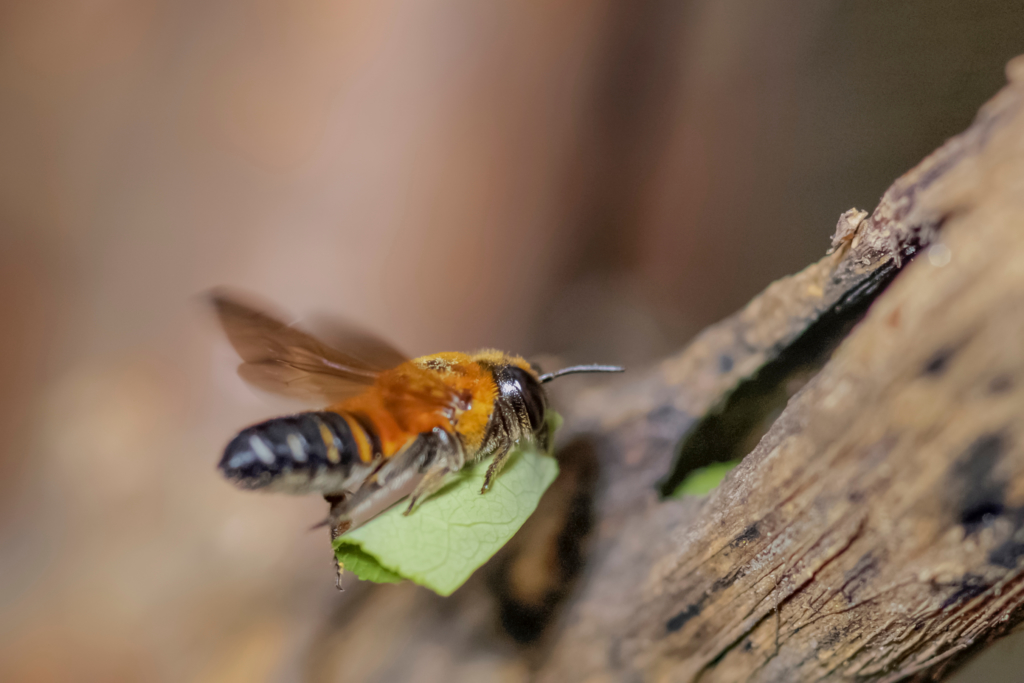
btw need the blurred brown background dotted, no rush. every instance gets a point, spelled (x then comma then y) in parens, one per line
(593, 179)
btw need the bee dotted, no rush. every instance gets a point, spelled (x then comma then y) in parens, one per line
(392, 428)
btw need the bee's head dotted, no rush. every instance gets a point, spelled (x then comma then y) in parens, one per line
(522, 389)
(520, 386)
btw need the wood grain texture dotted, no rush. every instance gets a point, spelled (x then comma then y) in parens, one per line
(876, 532)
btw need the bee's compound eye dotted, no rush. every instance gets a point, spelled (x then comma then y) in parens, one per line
(531, 393)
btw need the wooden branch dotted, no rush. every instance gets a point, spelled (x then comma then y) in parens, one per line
(876, 532)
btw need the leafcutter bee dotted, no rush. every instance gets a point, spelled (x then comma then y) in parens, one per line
(392, 427)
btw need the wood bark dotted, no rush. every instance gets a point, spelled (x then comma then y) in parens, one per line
(875, 532)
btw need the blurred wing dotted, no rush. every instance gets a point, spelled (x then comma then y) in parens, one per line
(364, 346)
(409, 395)
(285, 360)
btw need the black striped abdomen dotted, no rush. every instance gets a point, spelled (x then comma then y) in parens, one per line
(313, 452)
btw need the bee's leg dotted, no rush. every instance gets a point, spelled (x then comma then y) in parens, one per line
(433, 480)
(448, 460)
(337, 502)
(500, 457)
(398, 477)
(339, 568)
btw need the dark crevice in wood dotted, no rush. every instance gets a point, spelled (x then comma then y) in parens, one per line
(730, 431)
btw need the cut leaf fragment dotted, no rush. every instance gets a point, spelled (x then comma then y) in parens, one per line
(455, 531)
(352, 558)
(704, 480)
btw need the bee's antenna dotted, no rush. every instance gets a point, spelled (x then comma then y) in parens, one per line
(548, 376)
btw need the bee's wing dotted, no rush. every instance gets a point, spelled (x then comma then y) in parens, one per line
(361, 345)
(285, 360)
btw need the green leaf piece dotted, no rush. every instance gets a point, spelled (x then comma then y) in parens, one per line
(455, 531)
(704, 480)
(363, 565)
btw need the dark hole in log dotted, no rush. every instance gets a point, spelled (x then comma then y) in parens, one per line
(978, 492)
(980, 515)
(732, 430)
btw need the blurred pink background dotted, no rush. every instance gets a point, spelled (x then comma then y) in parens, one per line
(597, 180)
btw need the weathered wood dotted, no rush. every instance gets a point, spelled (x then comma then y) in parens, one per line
(874, 533)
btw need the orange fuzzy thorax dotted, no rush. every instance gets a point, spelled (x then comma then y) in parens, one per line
(453, 391)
